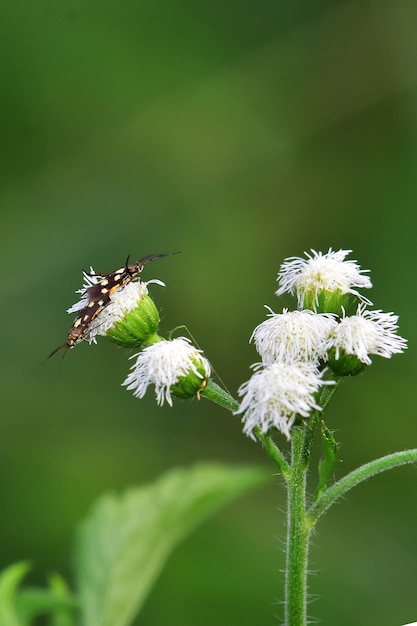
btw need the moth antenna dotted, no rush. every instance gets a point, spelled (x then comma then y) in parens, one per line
(55, 351)
(153, 257)
(64, 345)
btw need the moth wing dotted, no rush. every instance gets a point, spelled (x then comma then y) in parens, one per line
(95, 293)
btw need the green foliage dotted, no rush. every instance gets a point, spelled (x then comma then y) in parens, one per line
(122, 546)
(326, 464)
(125, 541)
(239, 134)
(20, 607)
(9, 582)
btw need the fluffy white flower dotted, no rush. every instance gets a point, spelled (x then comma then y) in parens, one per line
(321, 272)
(163, 364)
(278, 392)
(366, 333)
(293, 336)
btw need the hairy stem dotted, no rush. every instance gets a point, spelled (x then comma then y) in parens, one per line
(356, 477)
(274, 453)
(213, 392)
(298, 534)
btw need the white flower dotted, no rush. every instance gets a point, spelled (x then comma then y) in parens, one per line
(293, 336)
(163, 364)
(321, 272)
(278, 392)
(368, 332)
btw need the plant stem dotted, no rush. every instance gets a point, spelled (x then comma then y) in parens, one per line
(300, 521)
(298, 533)
(213, 392)
(298, 529)
(274, 453)
(357, 476)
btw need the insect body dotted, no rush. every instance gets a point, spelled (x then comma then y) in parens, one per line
(98, 296)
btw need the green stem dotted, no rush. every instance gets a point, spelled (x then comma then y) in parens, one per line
(328, 391)
(155, 338)
(274, 453)
(298, 533)
(357, 476)
(311, 424)
(300, 522)
(213, 392)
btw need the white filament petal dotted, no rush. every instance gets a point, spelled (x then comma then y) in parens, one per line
(322, 272)
(162, 364)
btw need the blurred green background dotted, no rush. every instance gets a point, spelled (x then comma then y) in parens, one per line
(240, 134)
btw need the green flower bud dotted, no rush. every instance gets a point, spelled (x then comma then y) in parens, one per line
(325, 301)
(131, 319)
(194, 382)
(345, 364)
(138, 327)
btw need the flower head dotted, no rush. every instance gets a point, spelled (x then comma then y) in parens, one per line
(276, 394)
(122, 302)
(293, 336)
(364, 334)
(175, 368)
(131, 319)
(130, 316)
(322, 281)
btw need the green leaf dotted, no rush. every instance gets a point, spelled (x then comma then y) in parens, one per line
(9, 582)
(19, 607)
(56, 601)
(63, 615)
(326, 464)
(125, 541)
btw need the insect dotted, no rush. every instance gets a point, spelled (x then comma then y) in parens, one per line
(98, 297)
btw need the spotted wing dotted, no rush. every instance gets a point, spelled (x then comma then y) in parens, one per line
(98, 296)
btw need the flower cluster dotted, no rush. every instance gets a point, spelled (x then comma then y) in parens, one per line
(131, 319)
(303, 350)
(333, 333)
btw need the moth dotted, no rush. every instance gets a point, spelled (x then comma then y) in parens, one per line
(98, 297)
